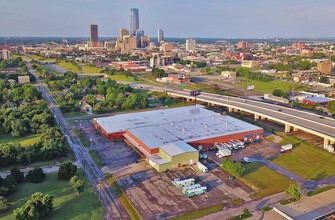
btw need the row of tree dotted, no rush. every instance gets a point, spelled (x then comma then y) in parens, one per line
(51, 145)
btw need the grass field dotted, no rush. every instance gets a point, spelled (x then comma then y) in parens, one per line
(320, 190)
(200, 213)
(307, 161)
(69, 66)
(91, 69)
(82, 137)
(74, 114)
(95, 156)
(133, 213)
(67, 204)
(45, 59)
(121, 77)
(264, 180)
(268, 87)
(24, 140)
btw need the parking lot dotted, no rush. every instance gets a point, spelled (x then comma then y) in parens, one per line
(119, 159)
(155, 197)
(258, 150)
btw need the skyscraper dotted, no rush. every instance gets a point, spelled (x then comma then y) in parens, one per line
(160, 35)
(190, 44)
(123, 32)
(134, 21)
(94, 34)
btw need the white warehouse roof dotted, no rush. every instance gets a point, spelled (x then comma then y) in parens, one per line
(185, 124)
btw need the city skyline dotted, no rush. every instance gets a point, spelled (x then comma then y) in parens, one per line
(252, 19)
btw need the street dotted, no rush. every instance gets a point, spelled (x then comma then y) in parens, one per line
(108, 198)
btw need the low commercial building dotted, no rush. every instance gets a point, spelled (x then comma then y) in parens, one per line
(23, 79)
(169, 138)
(229, 74)
(312, 100)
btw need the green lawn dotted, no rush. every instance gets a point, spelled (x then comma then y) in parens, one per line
(200, 213)
(24, 140)
(307, 161)
(67, 204)
(82, 138)
(268, 87)
(69, 66)
(91, 69)
(74, 114)
(320, 190)
(95, 156)
(122, 77)
(44, 59)
(264, 180)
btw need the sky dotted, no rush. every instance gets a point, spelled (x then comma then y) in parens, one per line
(178, 18)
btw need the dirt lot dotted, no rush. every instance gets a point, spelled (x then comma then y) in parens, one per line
(155, 197)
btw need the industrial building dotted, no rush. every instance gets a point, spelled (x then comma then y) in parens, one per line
(169, 138)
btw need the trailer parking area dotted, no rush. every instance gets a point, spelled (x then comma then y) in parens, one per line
(155, 197)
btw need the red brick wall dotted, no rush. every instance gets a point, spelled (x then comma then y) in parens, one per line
(150, 151)
(207, 143)
(109, 137)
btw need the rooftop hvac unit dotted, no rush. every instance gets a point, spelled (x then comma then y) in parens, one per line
(226, 122)
(193, 120)
(206, 126)
(171, 123)
(213, 117)
(184, 130)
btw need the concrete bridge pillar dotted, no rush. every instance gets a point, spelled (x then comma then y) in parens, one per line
(287, 128)
(326, 142)
(295, 129)
(263, 118)
(256, 117)
(230, 109)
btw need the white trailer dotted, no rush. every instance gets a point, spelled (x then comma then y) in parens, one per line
(286, 147)
(202, 167)
(181, 183)
(191, 187)
(223, 153)
(197, 191)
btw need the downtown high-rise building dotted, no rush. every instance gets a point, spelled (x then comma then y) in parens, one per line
(160, 36)
(190, 44)
(134, 21)
(123, 32)
(94, 34)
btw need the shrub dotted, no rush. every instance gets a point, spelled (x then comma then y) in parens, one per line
(36, 175)
(17, 174)
(66, 170)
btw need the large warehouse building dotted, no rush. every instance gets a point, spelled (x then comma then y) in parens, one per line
(168, 138)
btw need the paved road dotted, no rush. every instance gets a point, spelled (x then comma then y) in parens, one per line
(113, 207)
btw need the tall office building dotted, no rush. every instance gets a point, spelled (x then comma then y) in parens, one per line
(134, 21)
(123, 32)
(190, 44)
(94, 34)
(160, 35)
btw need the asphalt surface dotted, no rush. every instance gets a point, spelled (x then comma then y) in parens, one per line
(108, 198)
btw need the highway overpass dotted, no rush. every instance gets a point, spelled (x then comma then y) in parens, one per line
(293, 119)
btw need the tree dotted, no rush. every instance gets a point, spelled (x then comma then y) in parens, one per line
(331, 106)
(66, 170)
(324, 79)
(36, 175)
(17, 174)
(4, 204)
(37, 206)
(234, 168)
(77, 184)
(293, 191)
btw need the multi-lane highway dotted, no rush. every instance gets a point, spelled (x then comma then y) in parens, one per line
(108, 198)
(294, 119)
